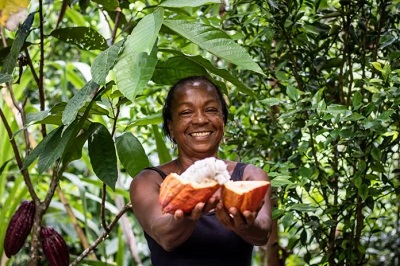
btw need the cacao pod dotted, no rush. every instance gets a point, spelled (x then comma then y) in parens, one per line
(54, 247)
(19, 228)
(179, 194)
(244, 195)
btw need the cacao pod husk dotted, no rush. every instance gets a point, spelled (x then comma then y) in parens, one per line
(179, 194)
(19, 228)
(244, 195)
(54, 247)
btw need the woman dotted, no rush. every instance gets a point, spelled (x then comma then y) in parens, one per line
(195, 114)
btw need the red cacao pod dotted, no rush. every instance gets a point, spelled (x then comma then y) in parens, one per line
(244, 195)
(179, 194)
(19, 228)
(54, 247)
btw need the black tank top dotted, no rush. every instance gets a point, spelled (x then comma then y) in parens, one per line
(211, 244)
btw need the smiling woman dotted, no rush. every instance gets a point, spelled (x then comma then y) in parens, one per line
(195, 114)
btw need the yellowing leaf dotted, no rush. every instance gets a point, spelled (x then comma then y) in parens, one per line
(12, 12)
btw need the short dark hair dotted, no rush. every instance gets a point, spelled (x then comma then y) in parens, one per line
(167, 113)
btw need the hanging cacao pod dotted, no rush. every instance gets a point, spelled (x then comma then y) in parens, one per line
(54, 247)
(19, 228)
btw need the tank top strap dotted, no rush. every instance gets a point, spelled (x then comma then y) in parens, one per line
(237, 173)
(162, 174)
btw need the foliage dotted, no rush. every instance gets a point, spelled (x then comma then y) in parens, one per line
(313, 88)
(326, 124)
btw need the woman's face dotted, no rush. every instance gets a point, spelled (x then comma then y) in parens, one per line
(197, 121)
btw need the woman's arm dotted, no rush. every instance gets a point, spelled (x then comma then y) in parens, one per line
(168, 230)
(253, 227)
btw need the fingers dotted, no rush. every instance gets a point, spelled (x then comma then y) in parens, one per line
(233, 219)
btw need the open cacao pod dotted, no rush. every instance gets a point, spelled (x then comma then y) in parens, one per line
(197, 184)
(244, 195)
(179, 194)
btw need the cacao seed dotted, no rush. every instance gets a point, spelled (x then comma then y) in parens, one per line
(19, 228)
(54, 247)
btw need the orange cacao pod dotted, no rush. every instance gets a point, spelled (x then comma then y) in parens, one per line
(179, 194)
(19, 228)
(244, 195)
(54, 247)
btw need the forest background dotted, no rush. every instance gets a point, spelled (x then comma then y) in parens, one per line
(313, 89)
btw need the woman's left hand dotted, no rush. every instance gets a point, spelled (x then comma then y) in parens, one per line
(234, 219)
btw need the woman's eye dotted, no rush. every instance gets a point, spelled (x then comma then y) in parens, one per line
(212, 110)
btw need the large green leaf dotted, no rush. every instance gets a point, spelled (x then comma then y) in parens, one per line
(191, 3)
(102, 154)
(83, 37)
(133, 72)
(168, 72)
(138, 59)
(22, 33)
(103, 63)
(77, 102)
(223, 73)
(109, 5)
(214, 41)
(131, 153)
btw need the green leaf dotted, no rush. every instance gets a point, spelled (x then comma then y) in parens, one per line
(223, 73)
(148, 120)
(22, 33)
(302, 207)
(104, 62)
(34, 154)
(168, 72)
(109, 5)
(5, 78)
(102, 154)
(272, 101)
(73, 151)
(186, 3)
(144, 35)
(293, 93)
(214, 41)
(55, 147)
(280, 181)
(131, 153)
(83, 37)
(138, 60)
(77, 102)
(134, 71)
(162, 150)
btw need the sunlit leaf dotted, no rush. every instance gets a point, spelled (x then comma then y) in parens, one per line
(102, 154)
(131, 153)
(214, 41)
(83, 37)
(138, 59)
(103, 63)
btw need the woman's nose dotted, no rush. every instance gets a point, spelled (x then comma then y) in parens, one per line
(200, 117)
